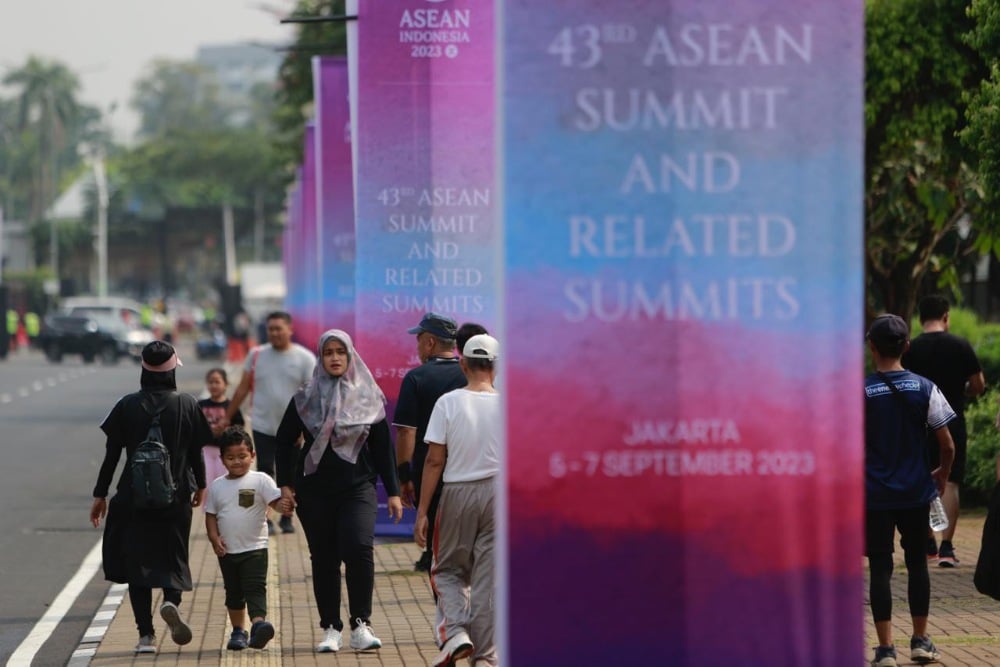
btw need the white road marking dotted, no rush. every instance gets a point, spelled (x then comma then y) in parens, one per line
(47, 624)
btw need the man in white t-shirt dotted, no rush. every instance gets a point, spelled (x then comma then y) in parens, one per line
(464, 429)
(272, 372)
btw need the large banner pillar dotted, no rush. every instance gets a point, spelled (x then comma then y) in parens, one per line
(683, 332)
(334, 194)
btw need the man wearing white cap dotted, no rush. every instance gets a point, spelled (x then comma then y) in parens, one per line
(464, 429)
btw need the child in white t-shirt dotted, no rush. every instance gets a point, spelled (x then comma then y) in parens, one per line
(235, 513)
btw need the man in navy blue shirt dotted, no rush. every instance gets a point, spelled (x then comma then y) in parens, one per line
(900, 407)
(438, 373)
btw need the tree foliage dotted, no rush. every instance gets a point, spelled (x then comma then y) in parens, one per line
(295, 93)
(40, 130)
(194, 152)
(919, 185)
(177, 94)
(982, 135)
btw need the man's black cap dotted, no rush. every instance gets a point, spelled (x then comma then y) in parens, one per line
(889, 329)
(436, 325)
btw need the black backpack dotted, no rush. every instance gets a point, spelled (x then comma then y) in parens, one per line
(153, 484)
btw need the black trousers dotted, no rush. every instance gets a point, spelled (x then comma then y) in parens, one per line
(880, 533)
(432, 509)
(266, 446)
(340, 528)
(244, 576)
(141, 599)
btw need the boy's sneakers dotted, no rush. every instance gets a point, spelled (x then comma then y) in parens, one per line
(237, 640)
(147, 644)
(363, 639)
(285, 523)
(946, 555)
(179, 631)
(261, 633)
(923, 651)
(885, 656)
(456, 648)
(332, 641)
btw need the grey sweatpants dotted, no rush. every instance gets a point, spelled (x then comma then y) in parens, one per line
(462, 572)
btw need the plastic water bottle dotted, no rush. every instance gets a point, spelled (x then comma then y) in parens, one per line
(938, 517)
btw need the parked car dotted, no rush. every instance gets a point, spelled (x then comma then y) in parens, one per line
(76, 334)
(122, 317)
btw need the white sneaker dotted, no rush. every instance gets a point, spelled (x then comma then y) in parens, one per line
(363, 639)
(332, 641)
(456, 648)
(147, 644)
(179, 630)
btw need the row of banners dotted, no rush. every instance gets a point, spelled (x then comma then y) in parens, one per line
(656, 207)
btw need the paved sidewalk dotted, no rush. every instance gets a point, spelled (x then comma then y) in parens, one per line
(403, 614)
(964, 624)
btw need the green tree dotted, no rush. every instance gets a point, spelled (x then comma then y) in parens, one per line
(919, 186)
(178, 95)
(200, 150)
(47, 115)
(295, 93)
(982, 135)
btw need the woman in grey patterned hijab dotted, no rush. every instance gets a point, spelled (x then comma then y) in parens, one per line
(341, 402)
(330, 480)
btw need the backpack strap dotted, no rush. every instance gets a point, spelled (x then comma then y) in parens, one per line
(158, 407)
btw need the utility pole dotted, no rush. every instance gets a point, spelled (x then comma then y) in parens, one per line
(101, 180)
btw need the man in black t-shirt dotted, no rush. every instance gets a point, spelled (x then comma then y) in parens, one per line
(949, 362)
(438, 373)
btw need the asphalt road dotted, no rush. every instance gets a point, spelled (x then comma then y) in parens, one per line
(52, 447)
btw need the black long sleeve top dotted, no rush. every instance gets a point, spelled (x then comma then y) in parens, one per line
(185, 430)
(377, 457)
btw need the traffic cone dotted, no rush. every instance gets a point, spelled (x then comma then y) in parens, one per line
(22, 335)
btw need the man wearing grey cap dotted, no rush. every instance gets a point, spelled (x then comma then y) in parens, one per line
(437, 374)
(900, 406)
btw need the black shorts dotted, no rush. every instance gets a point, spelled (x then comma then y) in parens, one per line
(960, 436)
(881, 525)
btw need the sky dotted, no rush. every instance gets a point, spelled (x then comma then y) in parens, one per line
(108, 43)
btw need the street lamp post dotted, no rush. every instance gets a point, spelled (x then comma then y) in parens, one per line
(101, 181)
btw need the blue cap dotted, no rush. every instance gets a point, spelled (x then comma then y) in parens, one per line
(436, 325)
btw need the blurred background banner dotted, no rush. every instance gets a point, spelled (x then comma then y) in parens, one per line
(425, 134)
(334, 194)
(307, 324)
(683, 328)
(292, 250)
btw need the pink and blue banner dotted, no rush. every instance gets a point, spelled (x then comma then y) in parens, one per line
(682, 332)
(307, 322)
(425, 174)
(291, 248)
(334, 193)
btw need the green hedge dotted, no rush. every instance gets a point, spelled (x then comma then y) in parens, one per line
(984, 444)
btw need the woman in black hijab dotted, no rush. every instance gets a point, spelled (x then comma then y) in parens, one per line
(148, 548)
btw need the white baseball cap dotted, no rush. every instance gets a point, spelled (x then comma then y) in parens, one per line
(482, 346)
